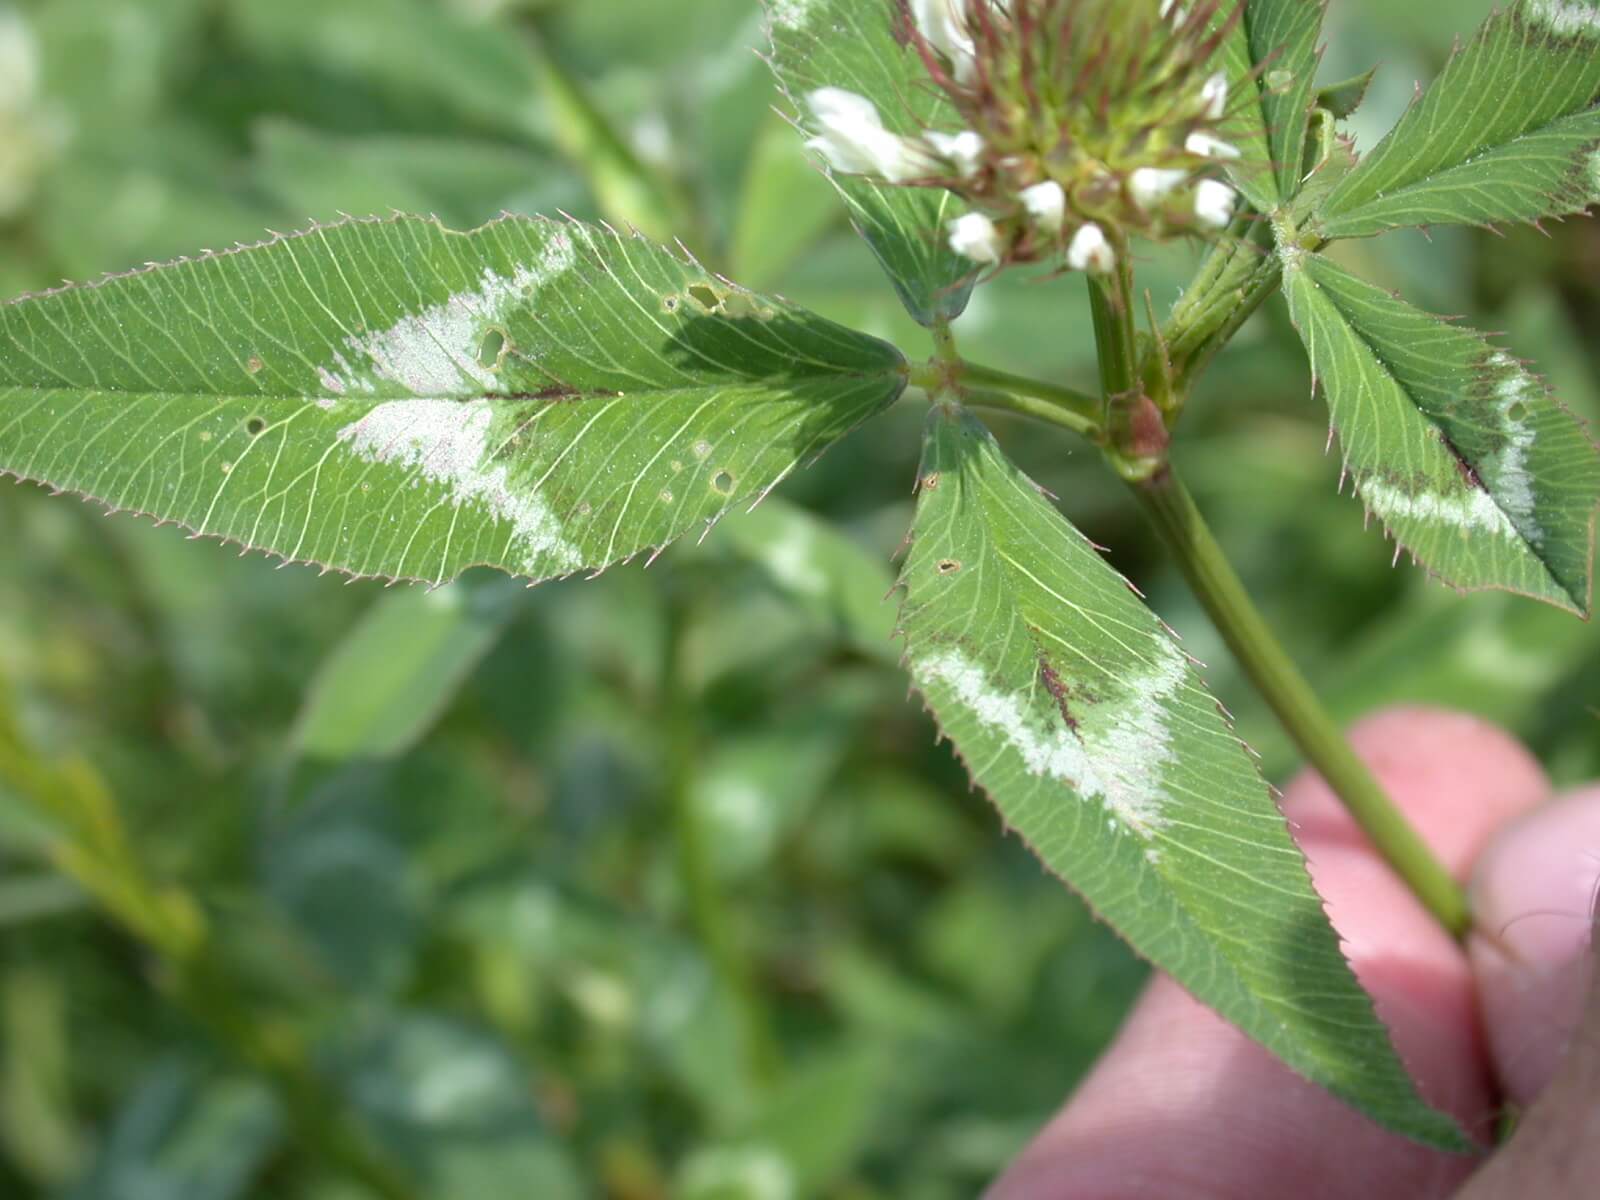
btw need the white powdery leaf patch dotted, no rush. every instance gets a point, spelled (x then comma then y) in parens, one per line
(435, 352)
(448, 442)
(1473, 508)
(1507, 474)
(1564, 17)
(1119, 752)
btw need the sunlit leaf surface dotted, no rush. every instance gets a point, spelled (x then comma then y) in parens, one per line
(1510, 131)
(1458, 449)
(391, 398)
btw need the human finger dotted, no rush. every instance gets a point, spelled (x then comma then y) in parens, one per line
(1184, 1104)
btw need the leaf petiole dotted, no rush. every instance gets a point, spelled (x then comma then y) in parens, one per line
(987, 387)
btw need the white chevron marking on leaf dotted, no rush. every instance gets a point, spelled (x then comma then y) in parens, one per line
(1565, 17)
(448, 441)
(435, 351)
(1117, 755)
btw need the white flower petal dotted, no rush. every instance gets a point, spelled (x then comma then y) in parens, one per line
(838, 106)
(1204, 145)
(964, 151)
(854, 141)
(975, 236)
(944, 24)
(1090, 251)
(1151, 185)
(1215, 94)
(1046, 203)
(1214, 203)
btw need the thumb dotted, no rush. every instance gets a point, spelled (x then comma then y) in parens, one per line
(1534, 889)
(1555, 1152)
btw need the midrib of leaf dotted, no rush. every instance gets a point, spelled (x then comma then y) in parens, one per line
(172, 362)
(1283, 36)
(1270, 129)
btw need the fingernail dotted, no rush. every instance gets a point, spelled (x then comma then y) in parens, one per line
(1534, 891)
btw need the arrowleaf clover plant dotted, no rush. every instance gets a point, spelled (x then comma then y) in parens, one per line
(389, 398)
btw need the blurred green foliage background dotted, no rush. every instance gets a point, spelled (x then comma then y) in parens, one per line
(652, 885)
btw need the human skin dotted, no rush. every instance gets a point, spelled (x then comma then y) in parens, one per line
(1183, 1105)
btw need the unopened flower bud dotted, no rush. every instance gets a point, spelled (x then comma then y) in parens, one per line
(854, 141)
(963, 151)
(1046, 203)
(1215, 94)
(1090, 251)
(1149, 186)
(975, 236)
(1214, 203)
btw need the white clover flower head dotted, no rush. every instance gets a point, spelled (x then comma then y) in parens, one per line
(1150, 186)
(963, 151)
(975, 236)
(943, 23)
(854, 141)
(1091, 251)
(1074, 126)
(1046, 203)
(1205, 145)
(1214, 203)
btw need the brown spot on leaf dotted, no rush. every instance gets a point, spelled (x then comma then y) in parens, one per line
(1059, 692)
(1464, 467)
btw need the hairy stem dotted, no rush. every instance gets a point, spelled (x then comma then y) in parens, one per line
(1173, 511)
(1213, 297)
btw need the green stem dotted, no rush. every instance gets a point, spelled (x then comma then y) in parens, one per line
(1077, 411)
(708, 908)
(1111, 305)
(628, 189)
(1168, 504)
